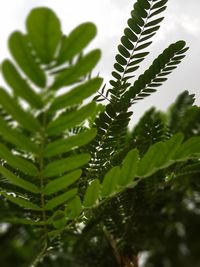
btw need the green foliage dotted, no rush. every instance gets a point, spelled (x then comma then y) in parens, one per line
(73, 175)
(39, 132)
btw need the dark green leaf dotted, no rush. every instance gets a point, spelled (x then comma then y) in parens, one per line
(159, 4)
(124, 51)
(137, 18)
(126, 43)
(130, 70)
(158, 11)
(116, 75)
(150, 30)
(136, 62)
(139, 10)
(140, 47)
(121, 60)
(145, 4)
(130, 35)
(154, 22)
(140, 55)
(147, 37)
(118, 67)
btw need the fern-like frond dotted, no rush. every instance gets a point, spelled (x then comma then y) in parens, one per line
(150, 129)
(142, 25)
(135, 168)
(154, 77)
(177, 111)
(41, 159)
(111, 134)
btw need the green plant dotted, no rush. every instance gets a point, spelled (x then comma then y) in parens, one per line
(65, 162)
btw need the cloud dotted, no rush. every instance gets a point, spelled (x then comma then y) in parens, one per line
(190, 25)
(181, 22)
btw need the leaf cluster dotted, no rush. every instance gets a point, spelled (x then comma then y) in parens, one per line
(77, 186)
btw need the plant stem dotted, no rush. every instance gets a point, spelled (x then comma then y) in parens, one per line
(39, 256)
(41, 177)
(112, 243)
(127, 262)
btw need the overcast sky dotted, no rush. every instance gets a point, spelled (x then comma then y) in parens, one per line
(182, 21)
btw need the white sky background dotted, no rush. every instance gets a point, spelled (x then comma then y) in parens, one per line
(182, 21)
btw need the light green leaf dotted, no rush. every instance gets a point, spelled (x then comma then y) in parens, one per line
(92, 193)
(21, 52)
(44, 31)
(16, 220)
(58, 219)
(73, 74)
(77, 94)
(19, 139)
(24, 203)
(110, 181)
(58, 167)
(19, 85)
(17, 162)
(62, 182)
(189, 149)
(129, 167)
(13, 179)
(13, 109)
(148, 163)
(159, 155)
(74, 208)
(56, 201)
(71, 119)
(169, 149)
(64, 145)
(77, 40)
